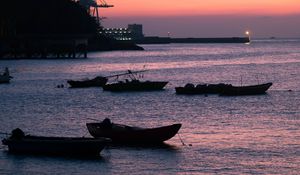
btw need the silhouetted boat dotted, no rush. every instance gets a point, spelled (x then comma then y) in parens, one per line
(201, 89)
(134, 84)
(246, 90)
(98, 81)
(5, 77)
(26, 144)
(132, 135)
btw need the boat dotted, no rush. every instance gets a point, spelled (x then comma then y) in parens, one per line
(124, 134)
(134, 84)
(98, 81)
(5, 77)
(246, 90)
(191, 89)
(20, 143)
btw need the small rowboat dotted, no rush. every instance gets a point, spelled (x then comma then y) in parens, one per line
(95, 82)
(190, 89)
(132, 135)
(5, 77)
(26, 144)
(246, 90)
(135, 85)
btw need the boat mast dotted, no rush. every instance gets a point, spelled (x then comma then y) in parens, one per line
(129, 72)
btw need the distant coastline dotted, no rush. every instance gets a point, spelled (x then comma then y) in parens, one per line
(168, 40)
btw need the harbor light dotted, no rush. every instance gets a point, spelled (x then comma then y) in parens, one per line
(247, 32)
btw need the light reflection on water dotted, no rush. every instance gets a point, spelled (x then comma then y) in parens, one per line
(182, 65)
(225, 135)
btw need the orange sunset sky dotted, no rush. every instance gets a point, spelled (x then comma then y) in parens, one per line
(198, 7)
(264, 18)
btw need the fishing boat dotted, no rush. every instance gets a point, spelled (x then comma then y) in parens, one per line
(18, 142)
(98, 81)
(246, 90)
(124, 134)
(191, 89)
(5, 77)
(134, 84)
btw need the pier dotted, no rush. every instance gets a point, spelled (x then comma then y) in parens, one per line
(44, 46)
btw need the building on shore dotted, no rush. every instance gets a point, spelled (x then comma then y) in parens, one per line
(132, 32)
(53, 29)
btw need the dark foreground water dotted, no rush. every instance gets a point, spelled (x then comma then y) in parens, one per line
(222, 135)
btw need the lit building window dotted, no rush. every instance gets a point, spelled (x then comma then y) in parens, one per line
(134, 31)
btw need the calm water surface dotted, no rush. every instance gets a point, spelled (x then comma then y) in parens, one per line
(221, 135)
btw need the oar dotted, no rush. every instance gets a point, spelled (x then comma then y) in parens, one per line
(180, 139)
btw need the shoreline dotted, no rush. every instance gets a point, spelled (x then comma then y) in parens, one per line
(168, 40)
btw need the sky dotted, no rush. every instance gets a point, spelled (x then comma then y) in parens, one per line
(212, 18)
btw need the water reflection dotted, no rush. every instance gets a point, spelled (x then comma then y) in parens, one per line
(39, 164)
(233, 135)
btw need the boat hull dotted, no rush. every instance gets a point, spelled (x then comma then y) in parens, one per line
(201, 89)
(96, 82)
(246, 90)
(56, 145)
(135, 86)
(4, 79)
(132, 135)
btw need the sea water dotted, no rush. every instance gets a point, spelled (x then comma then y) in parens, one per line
(224, 135)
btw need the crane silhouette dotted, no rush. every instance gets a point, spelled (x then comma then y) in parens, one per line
(92, 7)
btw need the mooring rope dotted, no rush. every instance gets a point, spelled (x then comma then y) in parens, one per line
(180, 139)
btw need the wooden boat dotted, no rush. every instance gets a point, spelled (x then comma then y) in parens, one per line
(26, 144)
(246, 90)
(98, 81)
(190, 89)
(135, 85)
(132, 135)
(5, 77)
